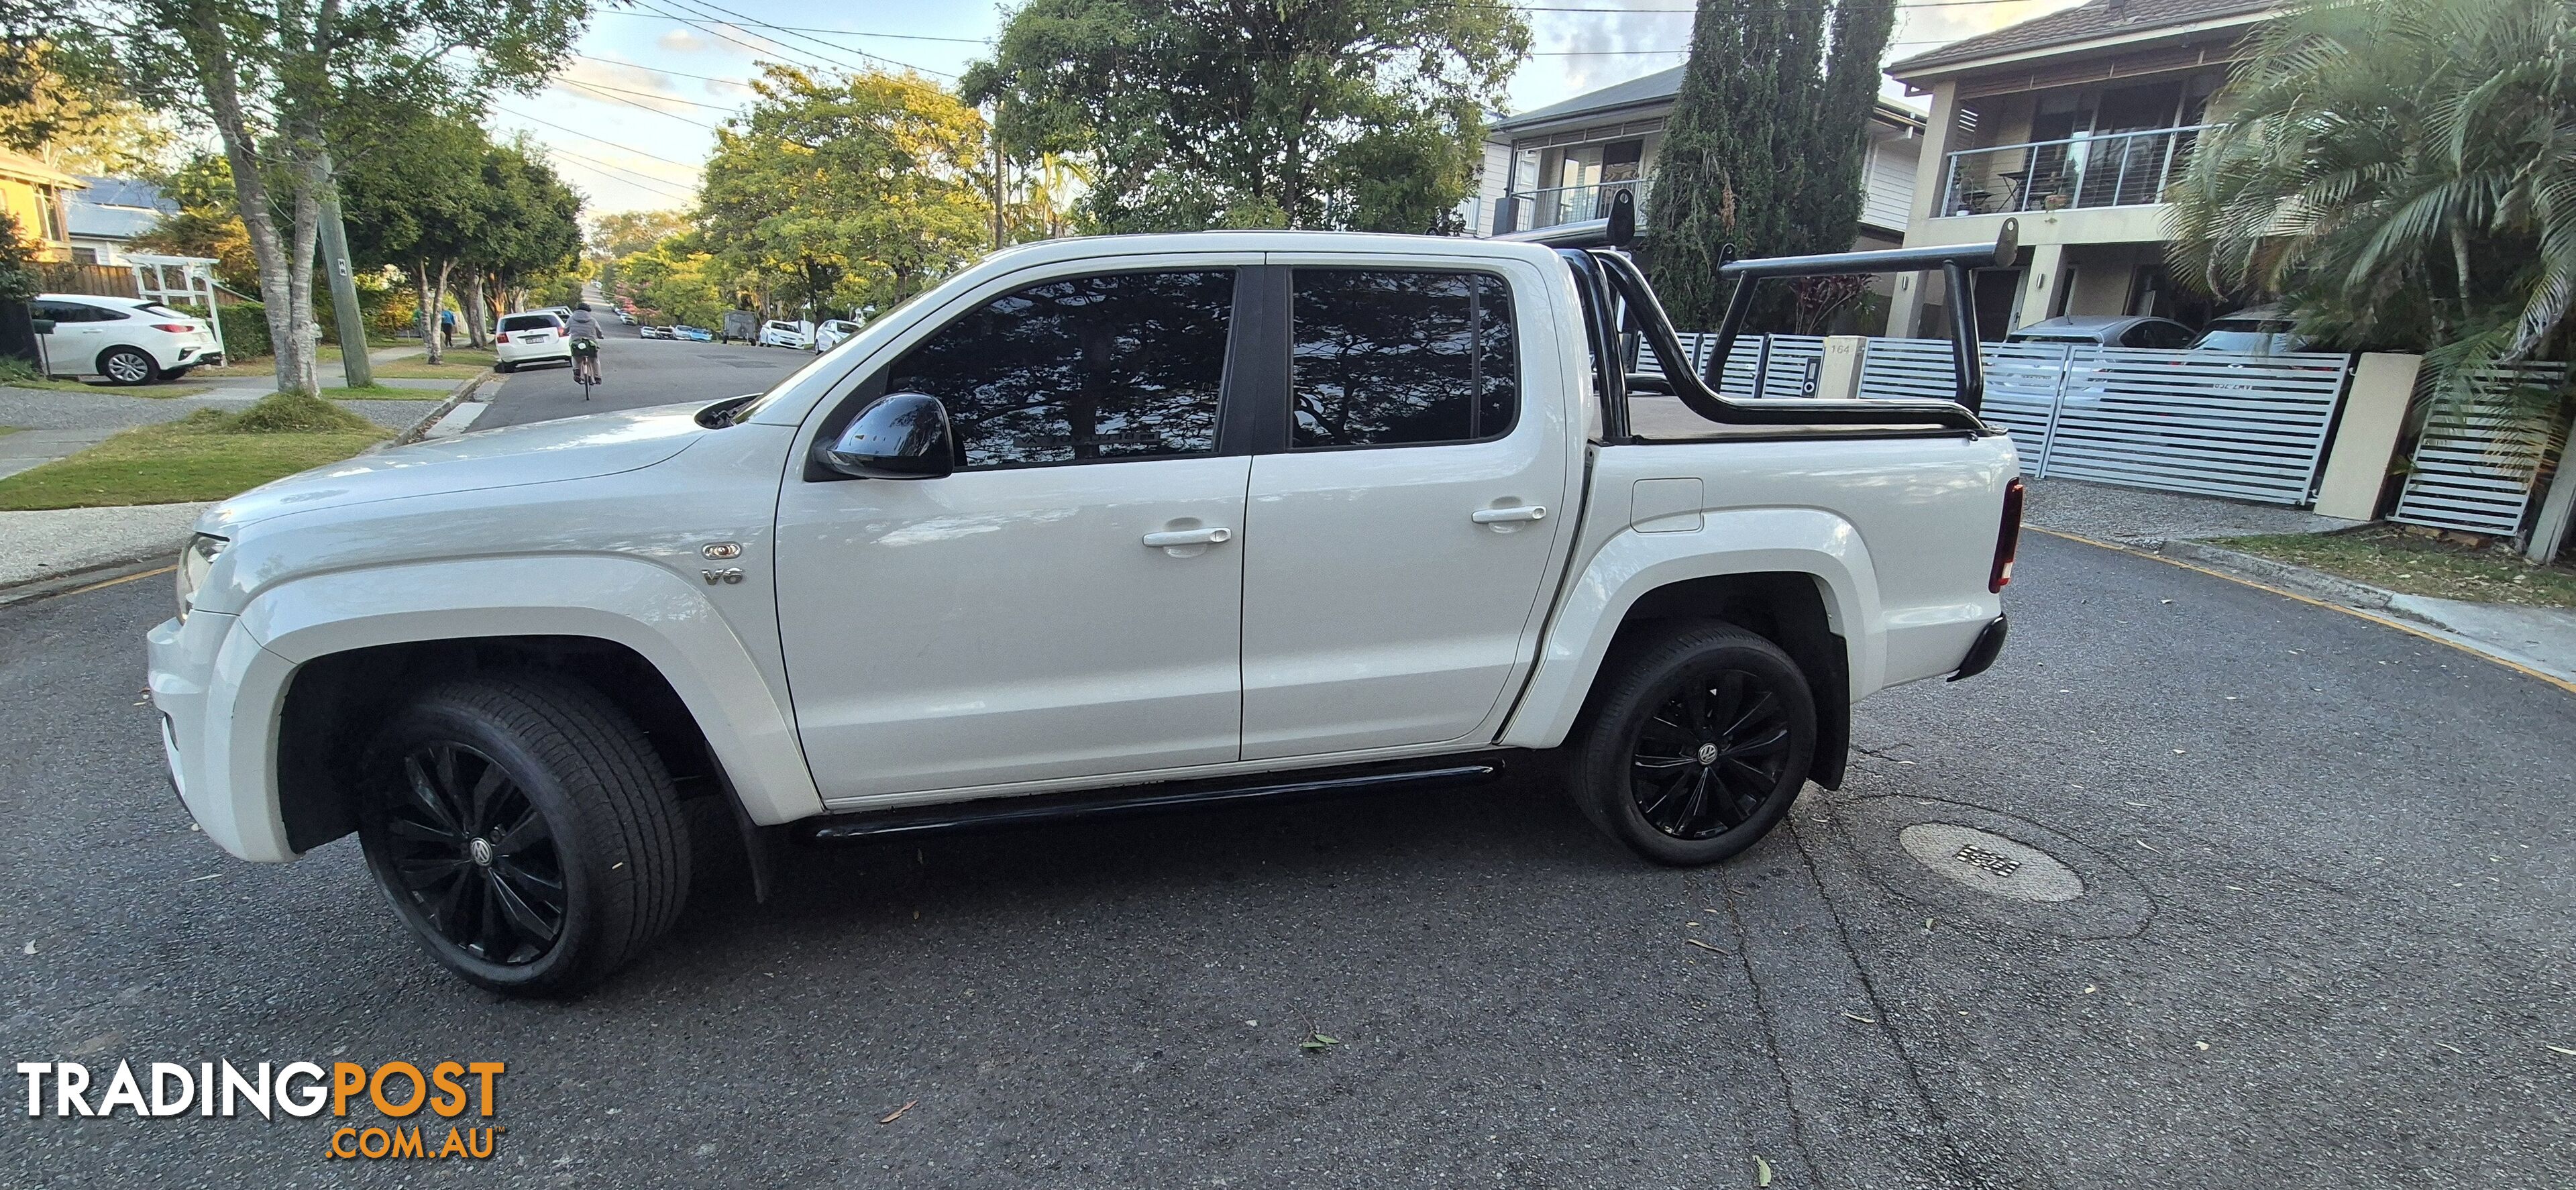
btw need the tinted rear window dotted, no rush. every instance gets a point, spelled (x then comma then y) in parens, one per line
(1401, 357)
(528, 322)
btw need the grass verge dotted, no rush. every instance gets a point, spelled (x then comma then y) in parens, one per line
(2388, 557)
(208, 455)
(381, 392)
(457, 363)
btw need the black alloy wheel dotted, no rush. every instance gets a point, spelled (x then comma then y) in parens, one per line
(1697, 739)
(1706, 760)
(474, 854)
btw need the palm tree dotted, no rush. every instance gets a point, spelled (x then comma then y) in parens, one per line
(2403, 173)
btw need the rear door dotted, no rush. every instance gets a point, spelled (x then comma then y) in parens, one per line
(1405, 523)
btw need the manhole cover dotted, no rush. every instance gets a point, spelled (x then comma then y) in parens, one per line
(1990, 863)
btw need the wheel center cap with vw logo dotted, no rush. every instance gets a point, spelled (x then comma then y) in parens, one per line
(481, 850)
(1708, 754)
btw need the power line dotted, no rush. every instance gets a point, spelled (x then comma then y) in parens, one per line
(588, 85)
(610, 143)
(631, 177)
(704, 5)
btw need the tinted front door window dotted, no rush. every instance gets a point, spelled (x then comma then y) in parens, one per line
(1123, 366)
(1386, 358)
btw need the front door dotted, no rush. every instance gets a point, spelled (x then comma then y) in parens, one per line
(1017, 620)
(1398, 548)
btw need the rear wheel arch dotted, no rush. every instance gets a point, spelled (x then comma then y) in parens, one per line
(1791, 609)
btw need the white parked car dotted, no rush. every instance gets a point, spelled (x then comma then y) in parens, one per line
(1097, 525)
(786, 334)
(833, 333)
(125, 340)
(530, 337)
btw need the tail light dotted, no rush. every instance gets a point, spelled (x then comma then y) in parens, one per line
(503, 337)
(2007, 537)
(176, 328)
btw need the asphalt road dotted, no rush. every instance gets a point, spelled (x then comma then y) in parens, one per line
(2336, 855)
(635, 373)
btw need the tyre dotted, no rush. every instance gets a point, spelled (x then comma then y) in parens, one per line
(504, 366)
(127, 366)
(1699, 739)
(525, 831)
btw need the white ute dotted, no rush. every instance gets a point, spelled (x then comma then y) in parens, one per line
(1098, 524)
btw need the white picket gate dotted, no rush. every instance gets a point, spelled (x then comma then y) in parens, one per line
(2475, 464)
(2244, 426)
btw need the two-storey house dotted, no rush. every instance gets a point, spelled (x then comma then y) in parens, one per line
(2073, 123)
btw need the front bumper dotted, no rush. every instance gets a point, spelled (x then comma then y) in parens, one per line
(218, 693)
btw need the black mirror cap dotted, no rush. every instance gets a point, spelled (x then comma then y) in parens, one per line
(41, 326)
(898, 436)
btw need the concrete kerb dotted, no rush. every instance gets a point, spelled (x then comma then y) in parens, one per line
(464, 392)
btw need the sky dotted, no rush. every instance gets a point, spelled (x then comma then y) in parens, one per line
(635, 109)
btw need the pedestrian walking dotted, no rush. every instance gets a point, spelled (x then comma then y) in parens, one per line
(447, 328)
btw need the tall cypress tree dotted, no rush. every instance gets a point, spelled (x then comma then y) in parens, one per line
(1764, 146)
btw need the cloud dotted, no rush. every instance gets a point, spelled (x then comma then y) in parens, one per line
(682, 41)
(620, 82)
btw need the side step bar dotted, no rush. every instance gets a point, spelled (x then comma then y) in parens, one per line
(1040, 809)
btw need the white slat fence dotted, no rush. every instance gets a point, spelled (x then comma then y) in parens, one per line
(2476, 463)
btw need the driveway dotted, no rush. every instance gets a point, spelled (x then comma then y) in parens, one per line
(2327, 898)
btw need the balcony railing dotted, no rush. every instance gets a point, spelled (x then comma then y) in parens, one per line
(1529, 209)
(2119, 169)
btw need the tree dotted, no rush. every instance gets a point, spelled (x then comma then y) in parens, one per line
(2403, 174)
(869, 179)
(414, 200)
(529, 231)
(1764, 147)
(207, 224)
(278, 80)
(1361, 114)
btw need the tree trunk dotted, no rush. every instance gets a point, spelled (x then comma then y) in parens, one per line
(309, 172)
(438, 301)
(428, 308)
(478, 317)
(221, 82)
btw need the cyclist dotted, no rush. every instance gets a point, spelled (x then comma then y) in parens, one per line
(584, 330)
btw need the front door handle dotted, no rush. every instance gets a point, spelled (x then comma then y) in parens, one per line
(1212, 535)
(1518, 512)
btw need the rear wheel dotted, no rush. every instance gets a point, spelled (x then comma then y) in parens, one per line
(505, 366)
(127, 366)
(526, 832)
(1700, 739)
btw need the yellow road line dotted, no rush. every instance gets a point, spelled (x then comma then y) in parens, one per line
(111, 582)
(2357, 613)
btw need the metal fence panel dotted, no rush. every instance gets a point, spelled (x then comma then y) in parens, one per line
(2022, 382)
(2248, 427)
(2475, 464)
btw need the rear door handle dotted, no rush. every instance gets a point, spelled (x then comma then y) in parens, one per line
(1212, 535)
(1498, 516)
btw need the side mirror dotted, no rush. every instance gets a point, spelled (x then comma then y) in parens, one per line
(43, 326)
(898, 436)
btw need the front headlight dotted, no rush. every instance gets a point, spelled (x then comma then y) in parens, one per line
(194, 562)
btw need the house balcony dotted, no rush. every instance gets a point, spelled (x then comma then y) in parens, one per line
(1529, 210)
(2120, 169)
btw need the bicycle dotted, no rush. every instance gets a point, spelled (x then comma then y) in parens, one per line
(585, 365)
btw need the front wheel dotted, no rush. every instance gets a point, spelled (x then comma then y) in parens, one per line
(1698, 742)
(525, 831)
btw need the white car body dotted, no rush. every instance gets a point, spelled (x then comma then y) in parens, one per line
(90, 333)
(530, 337)
(833, 333)
(794, 335)
(846, 646)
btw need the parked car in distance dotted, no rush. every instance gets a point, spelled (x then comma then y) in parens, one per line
(786, 334)
(833, 333)
(626, 316)
(652, 332)
(126, 340)
(529, 337)
(1067, 535)
(2105, 330)
(694, 334)
(2260, 329)
(739, 326)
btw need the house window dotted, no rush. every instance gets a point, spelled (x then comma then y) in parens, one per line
(49, 213)
(84, 256)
